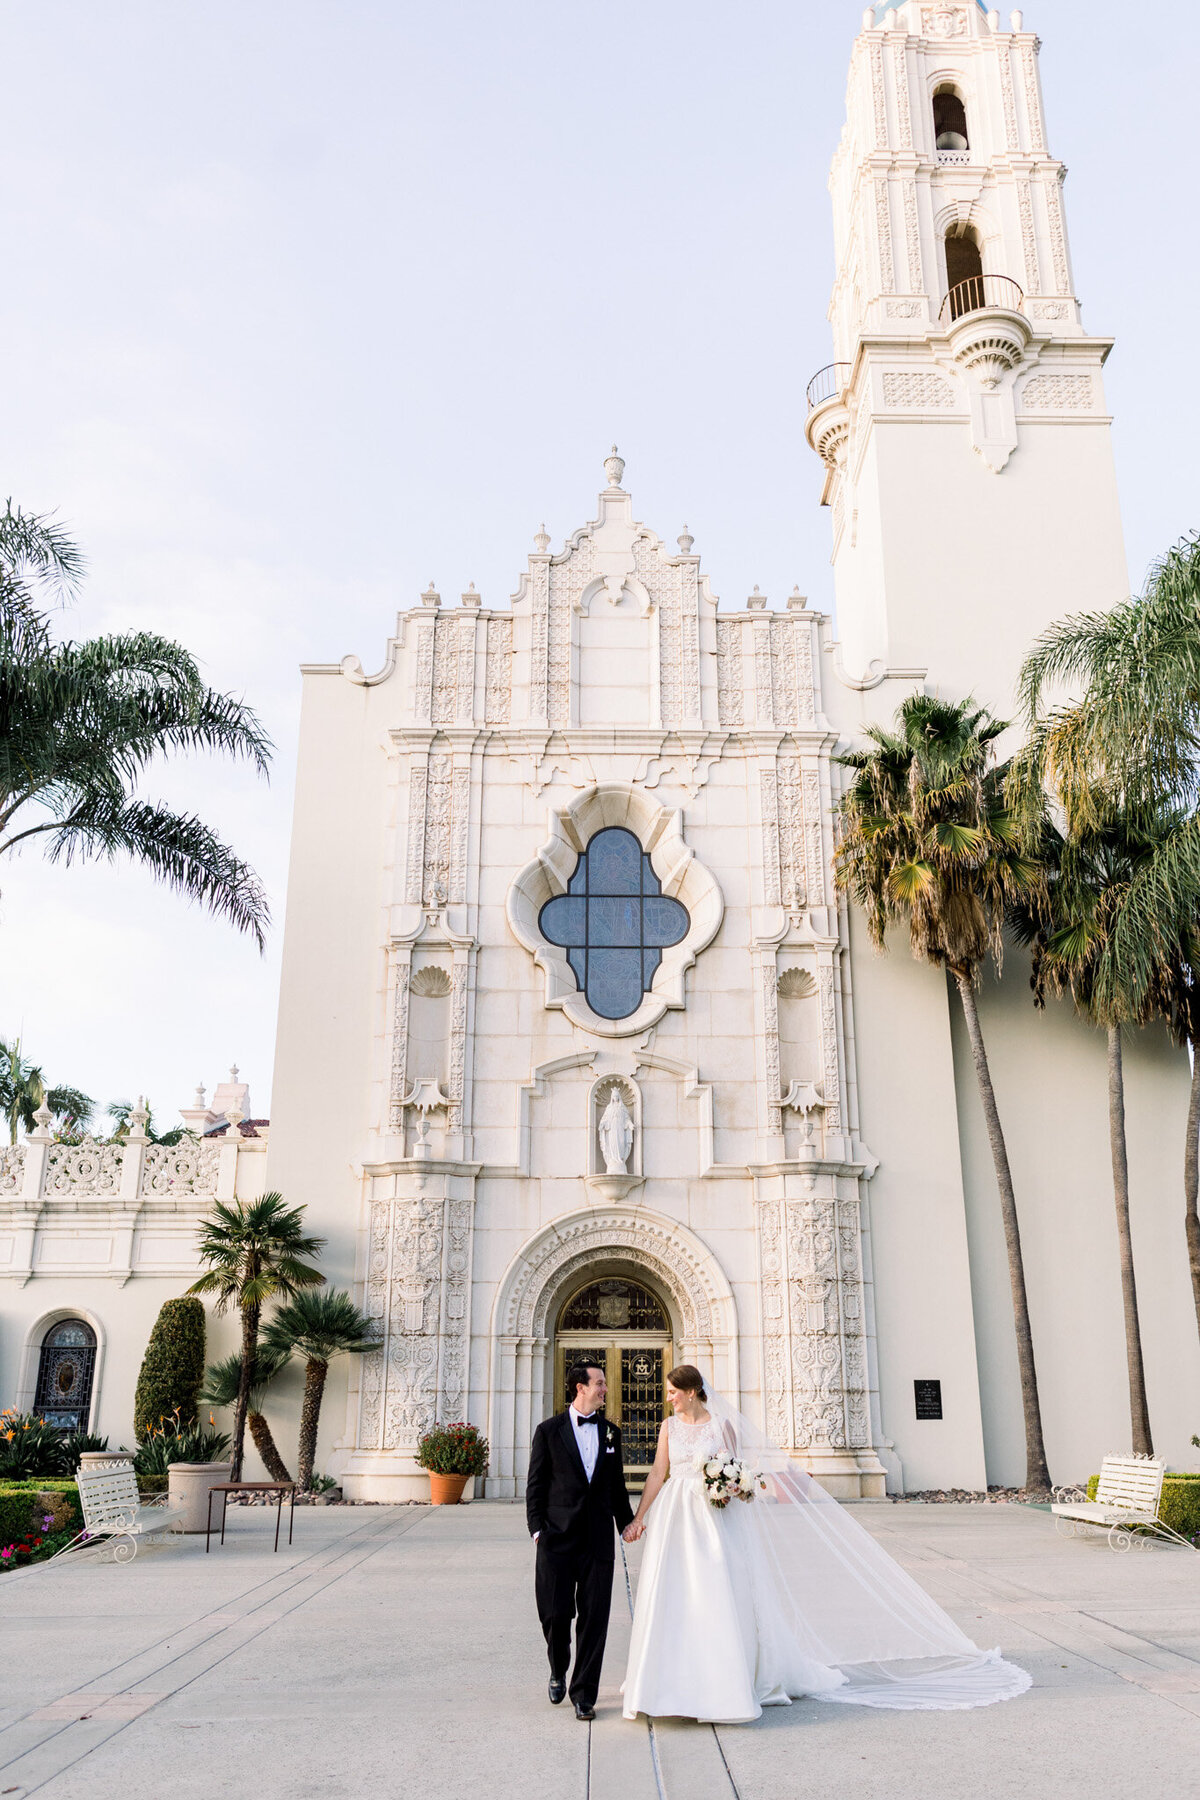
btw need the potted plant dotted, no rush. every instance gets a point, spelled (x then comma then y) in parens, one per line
(452, 1454)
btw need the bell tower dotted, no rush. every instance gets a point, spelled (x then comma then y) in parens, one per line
(962, 424)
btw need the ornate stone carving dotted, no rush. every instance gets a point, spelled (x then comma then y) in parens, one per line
(1058, 236)
(903, 104)
(916, 391)
(1033, 98)
(883, 225)
(458, 1047)
(768, 787)
(188, 1167)
(435, 865)
(460, 813)
(1009, 98)
(661, 1245)
(814, 847)
(771, 1047)
(944, 22)
(12, 1168)
(1058, 393)
(498, 672)
(430, 983)
(370, 1401)
(423, 683)
(793, 886)
(567, 581)
(829, 1053)
(904, 309)
(456, 1310)
(86, 1168)
(731, 692)
(539, 643)
(772, 1288)
(411, 1351)
(398, 1084)
(689, 644)
(912, 237)
(453, 669)
(418, 777)
(878, 96)
(615, 1132)
(1033, 279)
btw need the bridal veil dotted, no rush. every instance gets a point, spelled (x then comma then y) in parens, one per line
(848, 1603)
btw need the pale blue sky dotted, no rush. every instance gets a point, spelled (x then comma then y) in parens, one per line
(305, 304)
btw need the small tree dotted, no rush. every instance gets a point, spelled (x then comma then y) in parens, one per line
(320, 1327)
(255, 1251)
(172, 1368)
(221, 1385)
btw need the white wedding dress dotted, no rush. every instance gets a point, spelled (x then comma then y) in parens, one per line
(710, 1641)
(781, 1597)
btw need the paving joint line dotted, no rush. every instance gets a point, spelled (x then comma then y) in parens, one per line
(370, 1550)
(290, 1578)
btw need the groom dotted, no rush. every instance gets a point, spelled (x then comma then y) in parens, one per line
(574, 1495)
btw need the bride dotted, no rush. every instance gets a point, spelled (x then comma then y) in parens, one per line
(781, 1596)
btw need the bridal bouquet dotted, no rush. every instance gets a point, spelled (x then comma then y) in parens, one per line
(726, 1479)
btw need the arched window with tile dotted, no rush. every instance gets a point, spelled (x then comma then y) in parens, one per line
(66, 1371)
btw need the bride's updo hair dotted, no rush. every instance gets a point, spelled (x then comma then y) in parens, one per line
(688, 1380)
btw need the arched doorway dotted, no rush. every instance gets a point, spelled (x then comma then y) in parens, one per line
(66, 1367)
(623, 1325)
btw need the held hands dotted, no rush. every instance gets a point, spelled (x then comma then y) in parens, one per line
(633, 1532)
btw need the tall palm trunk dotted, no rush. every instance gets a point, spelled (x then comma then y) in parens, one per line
(266, 1446)
(1191, 1179)
(242, 1404)
(310, 1414)
(1037, 1474)
(1139, 1410)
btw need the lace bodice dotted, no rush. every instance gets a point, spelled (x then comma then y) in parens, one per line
(690, 1445)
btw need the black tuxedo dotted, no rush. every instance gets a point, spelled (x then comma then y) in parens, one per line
(573, 1520)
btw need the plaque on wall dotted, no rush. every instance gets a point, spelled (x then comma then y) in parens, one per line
(929, 1399)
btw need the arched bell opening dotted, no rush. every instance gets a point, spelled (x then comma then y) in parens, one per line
(950, 122)
(617, 1318)
(964, 273)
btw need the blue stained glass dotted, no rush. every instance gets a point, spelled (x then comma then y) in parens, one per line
(614, 922)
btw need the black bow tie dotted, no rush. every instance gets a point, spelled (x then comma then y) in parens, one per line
(587, 1418)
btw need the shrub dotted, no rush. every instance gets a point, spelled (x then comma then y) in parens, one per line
(172, 1368)
(30, 1503)
(1179, 1507)
(174, 1441)
(29, 1447)
(453, 1450)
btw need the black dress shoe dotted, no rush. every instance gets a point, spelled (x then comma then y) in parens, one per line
(557, 1691)
(583, 1711)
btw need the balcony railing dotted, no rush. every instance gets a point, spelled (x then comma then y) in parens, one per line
(979, 293)
(826, 383)
(955, 159)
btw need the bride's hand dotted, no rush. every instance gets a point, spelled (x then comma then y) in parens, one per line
(633, 1532)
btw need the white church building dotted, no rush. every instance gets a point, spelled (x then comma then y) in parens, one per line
(606, 1064)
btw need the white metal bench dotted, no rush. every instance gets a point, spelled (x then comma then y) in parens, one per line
(114, 1511)
(1126, 1504)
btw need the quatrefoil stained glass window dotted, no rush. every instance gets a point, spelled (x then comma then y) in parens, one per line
(614, 922)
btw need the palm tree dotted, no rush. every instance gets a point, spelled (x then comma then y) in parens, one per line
(222, 1382)
(1092, 874)
(1133, 738)
(23, 1090)
(80, 724)
(255, 1251)
(39, 567)
(926, 837)
(320, 1327)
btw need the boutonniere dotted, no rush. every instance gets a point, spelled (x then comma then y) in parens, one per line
(608, 1432)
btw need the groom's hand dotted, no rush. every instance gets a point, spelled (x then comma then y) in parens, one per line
(633, 1532)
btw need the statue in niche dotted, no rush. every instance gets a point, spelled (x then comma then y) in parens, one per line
(616, 1135)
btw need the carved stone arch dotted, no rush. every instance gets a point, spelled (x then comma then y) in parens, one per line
(663, 1251)
(614, 590)
(683, 877)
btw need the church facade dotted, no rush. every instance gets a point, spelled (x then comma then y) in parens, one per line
(605, 1065)
(617, 1072)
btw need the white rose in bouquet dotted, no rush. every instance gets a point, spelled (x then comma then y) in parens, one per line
(713, 1467)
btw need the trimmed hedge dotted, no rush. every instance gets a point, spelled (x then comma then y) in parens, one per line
(1179, 1507)
(172, 1368)
(20, 1503)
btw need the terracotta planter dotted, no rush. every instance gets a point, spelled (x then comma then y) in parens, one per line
(446, 1490)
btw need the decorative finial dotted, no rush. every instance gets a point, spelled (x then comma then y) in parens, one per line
(471, 598)
(201, 1102)
(541, 539)
(431, 597)
(233, 1071)
(757, 601)
(614, 468)
(796, 600)
(685, 540)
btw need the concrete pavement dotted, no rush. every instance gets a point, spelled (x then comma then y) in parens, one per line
(394, 1652)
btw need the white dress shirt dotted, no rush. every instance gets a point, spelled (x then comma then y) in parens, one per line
(587, 1436)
